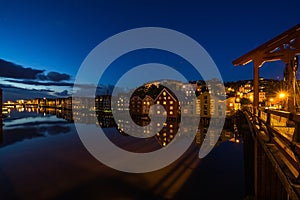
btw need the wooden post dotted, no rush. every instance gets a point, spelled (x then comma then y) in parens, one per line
(290, 80)
(296, 136)
(268, 119)
(256, 83)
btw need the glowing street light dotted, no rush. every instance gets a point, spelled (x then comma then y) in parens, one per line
(281, 95)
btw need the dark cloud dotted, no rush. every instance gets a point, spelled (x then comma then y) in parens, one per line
(14, 93)
(11, 70)
(54, 76)
(31, 77)
(63, 93)
(37, 83)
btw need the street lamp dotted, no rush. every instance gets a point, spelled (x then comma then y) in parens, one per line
(282, 95)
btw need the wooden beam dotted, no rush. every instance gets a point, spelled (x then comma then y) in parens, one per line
(280, 40)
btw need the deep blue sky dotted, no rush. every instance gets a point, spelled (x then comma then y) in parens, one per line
(56, 36)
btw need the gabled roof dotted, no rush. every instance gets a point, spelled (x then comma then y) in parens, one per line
(148, 97)
(161, 92)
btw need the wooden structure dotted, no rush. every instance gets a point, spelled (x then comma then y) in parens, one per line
(272, 154)
(285, 47)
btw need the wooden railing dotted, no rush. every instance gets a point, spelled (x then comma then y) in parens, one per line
(282, 129)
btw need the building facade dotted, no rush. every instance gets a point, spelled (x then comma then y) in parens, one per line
(170, 104)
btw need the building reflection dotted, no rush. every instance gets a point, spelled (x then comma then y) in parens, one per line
(33, 123)
(167, 130)
(98, 110)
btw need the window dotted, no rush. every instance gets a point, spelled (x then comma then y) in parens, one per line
(164, 102)
(171, 102)
(171, 107)
(164, 93)
(157, 102)
(171, 112)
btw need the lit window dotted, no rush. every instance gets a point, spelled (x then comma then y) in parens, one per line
(169, 97)
(158, 112)
(157, 102)
(144, 102)
(171, 102)
(164, 93)
(171, 107)
(164, 102)
(171, 125)
(158, 124)
(171, 112)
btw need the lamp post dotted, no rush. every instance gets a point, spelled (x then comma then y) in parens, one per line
(238, 105)
(282, 95)
(271, 102)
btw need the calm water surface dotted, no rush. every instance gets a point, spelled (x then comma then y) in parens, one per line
(42, 157)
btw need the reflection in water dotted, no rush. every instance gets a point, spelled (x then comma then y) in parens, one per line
(32, 123)
(59, 159)
(169, 129)
(41, 122)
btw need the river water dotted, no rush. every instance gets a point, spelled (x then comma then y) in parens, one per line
(42, 157)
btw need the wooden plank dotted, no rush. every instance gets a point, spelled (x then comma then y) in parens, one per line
(269, 184)
(262, 166)
(288, 157)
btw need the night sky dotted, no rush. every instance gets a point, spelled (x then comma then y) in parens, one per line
(43, 43)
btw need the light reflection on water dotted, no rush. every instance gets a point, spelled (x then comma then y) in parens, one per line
(36, 123)
(21, 125)
(42, 144)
